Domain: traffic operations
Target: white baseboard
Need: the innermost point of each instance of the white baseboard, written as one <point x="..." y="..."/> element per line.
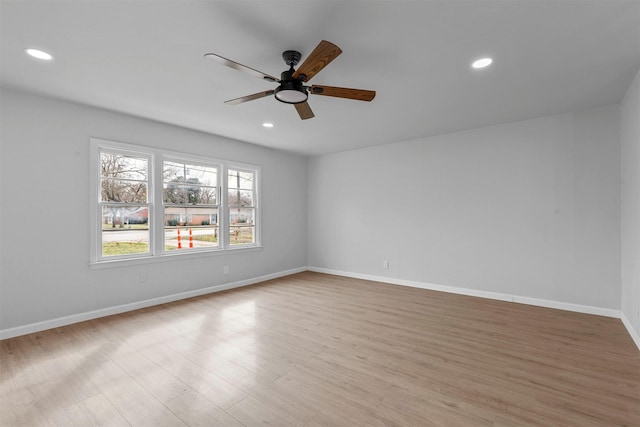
<point x="634" y="334"/>
<point x="476" y="293"/>
<point x="89" y="315"/>
<point x="80" y="317"/>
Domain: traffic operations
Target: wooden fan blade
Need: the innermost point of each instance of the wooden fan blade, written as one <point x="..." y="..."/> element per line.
<point x="343" y="92"/>
<point x="321" y="56"/>
<point x="237" y="66"/>
<point x="304" y="110"/>
<point x="249" y="97"/>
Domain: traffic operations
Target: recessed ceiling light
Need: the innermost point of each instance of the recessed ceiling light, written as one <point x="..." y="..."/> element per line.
<point x="267" y="125"/>
<point x="482" y="63"/>
<point x="40" y="54"/>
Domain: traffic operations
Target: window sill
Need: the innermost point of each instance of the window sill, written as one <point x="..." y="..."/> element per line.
<point x="98" y="265"/>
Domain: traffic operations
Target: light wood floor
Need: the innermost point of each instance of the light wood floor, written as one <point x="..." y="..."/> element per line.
<point x="319" y="350"/>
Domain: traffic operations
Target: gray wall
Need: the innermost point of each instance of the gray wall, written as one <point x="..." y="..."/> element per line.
<point x="44" y="215"/>
<point x="630" y="125"/>
<point x="530" y="209"/>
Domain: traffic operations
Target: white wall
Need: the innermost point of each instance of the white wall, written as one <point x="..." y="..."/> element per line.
<point x="530" y="209"/>
<point x="44" y="193"/>
<point x="630" y="137"/>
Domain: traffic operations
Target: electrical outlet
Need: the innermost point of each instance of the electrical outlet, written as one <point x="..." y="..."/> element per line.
<point x="142" y="278"/>
<point x="385" y="264"/>
<point x="226" y="269"/>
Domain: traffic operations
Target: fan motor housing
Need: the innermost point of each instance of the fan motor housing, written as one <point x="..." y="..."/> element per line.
<point x="291" y="57"/>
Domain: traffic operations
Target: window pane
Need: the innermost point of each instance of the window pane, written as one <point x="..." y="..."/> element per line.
<point x="190" y="227"/>
<point x="202" y="174"/>
<point x="242" y="216"/>
<point x="179" y="193"/>
<point x="174" y="192"/>
<point x="241" y="235"/>
<point x="125" y="230"/>
<point x="208" y="196"/>
<point x="123" y="178"/>
<point x="240" y="198"/>
<point x="172" y="170"/>
<point x="117" y="190"/>
<point x="186" y="184"/>
<point x="239" y="179"/>
<point x="123" y="167"/>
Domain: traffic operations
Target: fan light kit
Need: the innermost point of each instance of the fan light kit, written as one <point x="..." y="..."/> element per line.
<point x="292" y="88"/>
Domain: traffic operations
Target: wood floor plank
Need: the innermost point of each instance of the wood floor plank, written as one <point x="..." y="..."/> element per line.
<point x="138" y="406"/>
<point x="153" y="378"/>
<point x="252" y="412"/>
<point x="312" y="349"/>
<point x="284" y="402"/>
<point x="220" y="392"/>
<point x="93" y="411"/>
<point x="196" y="410"/>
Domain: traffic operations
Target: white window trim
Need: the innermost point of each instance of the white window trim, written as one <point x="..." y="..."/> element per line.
<point x="256" y="191"/>
<point x="159" y="207"/>
<point x="156" y="207"/>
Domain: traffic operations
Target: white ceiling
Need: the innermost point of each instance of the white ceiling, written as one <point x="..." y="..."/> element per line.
<point x="146" y="58"/>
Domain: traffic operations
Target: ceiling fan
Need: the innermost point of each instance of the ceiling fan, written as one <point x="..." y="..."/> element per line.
<point x="291" y="88"/>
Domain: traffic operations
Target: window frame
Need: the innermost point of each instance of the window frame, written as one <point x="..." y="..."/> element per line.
<point x="218" y="165"/>
<point x="256" y="181"/>
<point x="156" y="206"/>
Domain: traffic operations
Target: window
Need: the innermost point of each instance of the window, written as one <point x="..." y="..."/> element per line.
<point x="124" y="203"/>
<point x="190" y="205"/>
<point x="242" y="206"/>
<point x="150" y="203"/>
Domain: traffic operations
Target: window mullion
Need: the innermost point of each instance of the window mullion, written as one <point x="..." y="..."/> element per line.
<point x="157" y="226"/>
<point x="224" y="205"/>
